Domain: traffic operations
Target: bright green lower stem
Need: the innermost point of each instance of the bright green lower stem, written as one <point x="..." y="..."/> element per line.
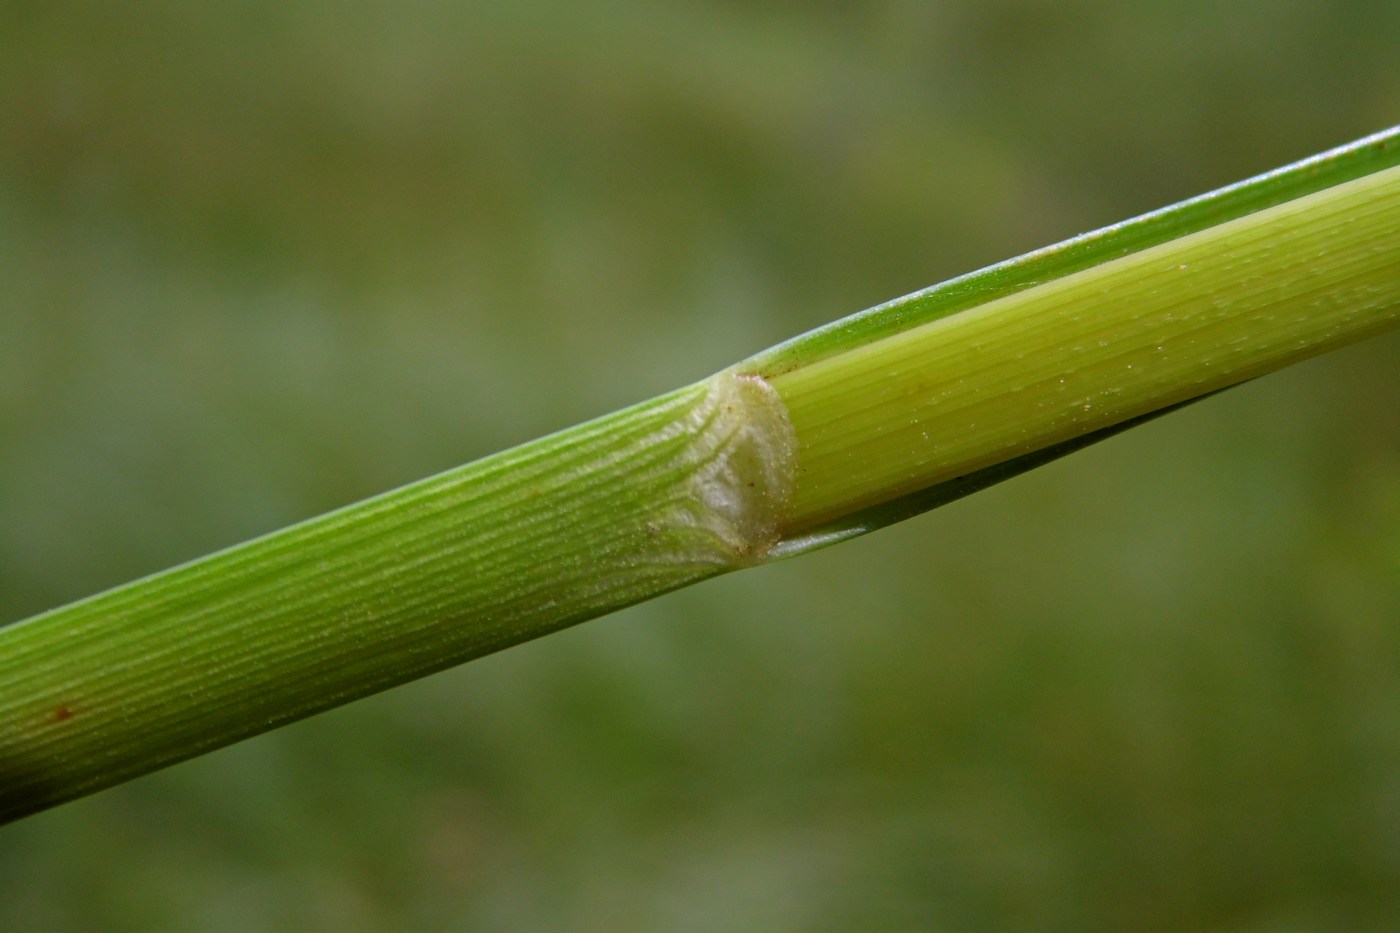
<point x="505" y="549"/>
<point x="1119" y="340"/>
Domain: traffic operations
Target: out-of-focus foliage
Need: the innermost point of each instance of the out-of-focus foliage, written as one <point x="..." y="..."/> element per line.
<point x="260" y="259"/>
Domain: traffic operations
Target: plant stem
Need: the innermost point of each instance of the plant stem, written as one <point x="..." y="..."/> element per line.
<point x="866" y="421"/>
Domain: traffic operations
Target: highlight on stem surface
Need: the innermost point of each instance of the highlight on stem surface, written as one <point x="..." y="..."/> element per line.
<point x="866" y="421"/>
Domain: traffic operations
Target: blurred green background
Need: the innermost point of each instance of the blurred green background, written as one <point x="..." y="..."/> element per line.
<point x="260" y="259"/>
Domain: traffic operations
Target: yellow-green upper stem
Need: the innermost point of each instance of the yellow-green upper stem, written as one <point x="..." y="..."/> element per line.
<point x="1121" y="339"/>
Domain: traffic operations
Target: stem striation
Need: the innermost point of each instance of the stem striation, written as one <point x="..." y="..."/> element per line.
<point x="505" y="549"/>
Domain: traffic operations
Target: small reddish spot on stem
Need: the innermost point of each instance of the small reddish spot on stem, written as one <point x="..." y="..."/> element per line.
<point x="62" y="713"/>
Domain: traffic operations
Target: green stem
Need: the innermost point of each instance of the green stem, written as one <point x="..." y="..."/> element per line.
<point x="866" y="421"/>
<point x="505" y="549"/>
